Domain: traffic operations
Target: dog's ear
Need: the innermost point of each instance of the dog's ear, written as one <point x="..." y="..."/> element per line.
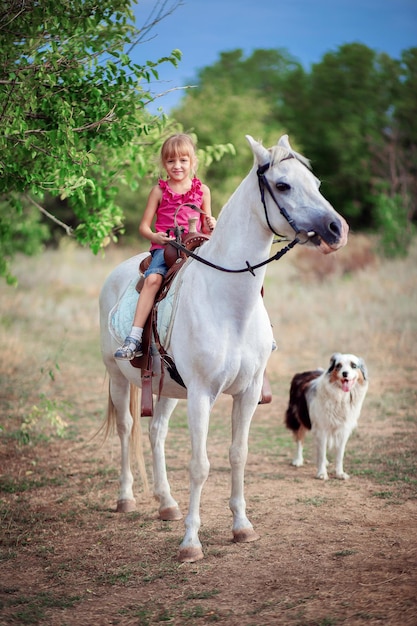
<point x="333" y="360"/>
<point x="363" y="368"/>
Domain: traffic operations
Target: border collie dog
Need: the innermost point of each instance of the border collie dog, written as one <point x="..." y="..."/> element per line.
<point x="329" y="404"/>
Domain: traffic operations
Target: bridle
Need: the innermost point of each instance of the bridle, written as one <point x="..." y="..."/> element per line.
<point x="264" y="184"/>
<point x="301" y="236"/>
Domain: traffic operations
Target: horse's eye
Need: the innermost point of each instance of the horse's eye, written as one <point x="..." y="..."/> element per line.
<point x="282" y="186"/>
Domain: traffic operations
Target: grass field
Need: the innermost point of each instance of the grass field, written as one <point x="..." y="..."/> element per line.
<point x="330" y="553"/>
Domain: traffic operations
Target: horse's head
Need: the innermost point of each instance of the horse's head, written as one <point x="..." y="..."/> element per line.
<point x="292" y="200"/>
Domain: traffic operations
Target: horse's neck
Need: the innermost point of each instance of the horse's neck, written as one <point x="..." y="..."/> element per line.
<point x="240" y="234"/>
<point x="240" y="238"/>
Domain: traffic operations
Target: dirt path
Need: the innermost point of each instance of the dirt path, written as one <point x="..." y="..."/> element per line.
<point x="329" y="553"/>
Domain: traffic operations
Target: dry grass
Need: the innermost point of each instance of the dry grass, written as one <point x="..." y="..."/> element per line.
<point x="334" y="553"/>
<point x="359" y="255"/>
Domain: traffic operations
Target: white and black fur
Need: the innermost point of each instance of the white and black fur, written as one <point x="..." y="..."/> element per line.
<point x="329" y="404"/>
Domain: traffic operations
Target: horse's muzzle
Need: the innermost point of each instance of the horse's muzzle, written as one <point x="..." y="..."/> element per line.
<point x="335" y="237"/>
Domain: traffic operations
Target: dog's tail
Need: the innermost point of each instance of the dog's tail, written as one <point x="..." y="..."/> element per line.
<point x="297" y="413"/>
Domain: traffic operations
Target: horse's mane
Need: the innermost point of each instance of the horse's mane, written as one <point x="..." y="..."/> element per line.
<point x="279" y="153"/>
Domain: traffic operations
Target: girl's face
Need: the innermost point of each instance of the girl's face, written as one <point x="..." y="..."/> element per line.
<point x="178" y="167"/>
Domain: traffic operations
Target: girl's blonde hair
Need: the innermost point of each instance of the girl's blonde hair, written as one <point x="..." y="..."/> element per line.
<point x="179" y="145"/>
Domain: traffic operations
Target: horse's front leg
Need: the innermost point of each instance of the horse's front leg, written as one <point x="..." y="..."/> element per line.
<point x="119" y="401"/>
<point x="158" y="430"/>
<point x="199" y="408"/>
<point x="243" y="409"/>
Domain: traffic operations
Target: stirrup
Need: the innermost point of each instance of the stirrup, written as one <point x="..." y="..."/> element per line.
<point x="129" y="350"/>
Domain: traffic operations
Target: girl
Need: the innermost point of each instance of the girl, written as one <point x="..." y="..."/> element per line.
<point x="178" y="158"/>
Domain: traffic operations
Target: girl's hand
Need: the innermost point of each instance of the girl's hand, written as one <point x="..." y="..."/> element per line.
<point x="162" y="238"/>
<point x="210" y="222"/>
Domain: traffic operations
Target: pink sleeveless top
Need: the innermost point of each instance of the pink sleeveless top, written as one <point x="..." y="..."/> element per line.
<point x="169" y="204"/>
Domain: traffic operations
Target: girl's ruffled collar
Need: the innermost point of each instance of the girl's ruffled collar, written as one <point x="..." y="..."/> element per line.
<point x="195" y="187"/>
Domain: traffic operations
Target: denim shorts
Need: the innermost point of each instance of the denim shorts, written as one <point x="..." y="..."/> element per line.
<point x="158" y="265"/>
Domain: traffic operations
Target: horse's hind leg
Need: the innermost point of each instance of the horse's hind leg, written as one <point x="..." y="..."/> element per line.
<point x="158" y="429"/>
<point x="241" y="419"/>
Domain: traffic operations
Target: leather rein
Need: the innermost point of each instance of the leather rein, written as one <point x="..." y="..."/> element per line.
<point x="301" y="235"/>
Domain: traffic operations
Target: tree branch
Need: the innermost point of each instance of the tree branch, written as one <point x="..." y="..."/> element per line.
<point x="107" y="119"/>
<point x="67" y="228"/>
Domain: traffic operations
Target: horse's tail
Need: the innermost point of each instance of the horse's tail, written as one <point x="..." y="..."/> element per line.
<point x="136" y="436"/>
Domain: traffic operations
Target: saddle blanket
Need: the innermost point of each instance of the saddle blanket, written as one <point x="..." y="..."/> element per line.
<point x="122" y="314"/>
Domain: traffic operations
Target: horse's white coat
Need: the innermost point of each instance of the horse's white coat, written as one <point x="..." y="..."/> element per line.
<point x="221" y="337"/>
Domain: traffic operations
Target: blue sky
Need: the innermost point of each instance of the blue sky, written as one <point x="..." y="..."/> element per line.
<point x="307" y="29"/>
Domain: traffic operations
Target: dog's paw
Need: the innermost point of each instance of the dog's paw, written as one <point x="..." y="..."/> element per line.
<point x="297" y="462"/>
<point x="322" y="476"/>
<point x="342" y="476"/>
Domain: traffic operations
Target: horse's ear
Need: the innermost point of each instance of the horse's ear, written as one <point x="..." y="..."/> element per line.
<point x="262" y="155"/>
<point x="284" y="142"/>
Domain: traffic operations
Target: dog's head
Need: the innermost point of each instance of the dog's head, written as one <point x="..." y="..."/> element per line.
<point x="346" y="370"/>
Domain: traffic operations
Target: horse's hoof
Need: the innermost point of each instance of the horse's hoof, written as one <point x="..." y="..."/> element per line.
<point x="170" y="514"/>
<point x="126" y="506"/>
<point x="190" y="555"/>
<point x="245" y="535"/>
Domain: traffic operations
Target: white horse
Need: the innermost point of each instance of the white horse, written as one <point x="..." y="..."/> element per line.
<point x="221" y="334"/>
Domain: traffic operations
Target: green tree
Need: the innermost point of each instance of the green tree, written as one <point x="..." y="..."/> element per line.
<point x="228" y="118"/>
<point x="406" y="102"/>
<point x="234" y="97"/>
<point x="350" y="97"/>
<point x="265" y="71"/>
<point x="395" y="163"/>
<point x="73" y="117"/>
<point x="404" y="179"/>
<point x="354" y="115"/>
